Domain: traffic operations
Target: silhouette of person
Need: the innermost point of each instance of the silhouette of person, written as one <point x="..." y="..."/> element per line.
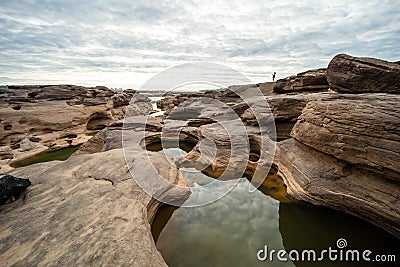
<point x="273" y="76"/>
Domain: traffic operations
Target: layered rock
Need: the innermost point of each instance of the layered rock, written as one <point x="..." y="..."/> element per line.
<point x="345" y="150"/>
<point x="312" y="80"/>
<point x="36" y="118"/>
<point x="229" y="96"/>
<point x="360" y="129"/>
<point x="349" y="74"/>
<point x="111" y="137"/>
<point x="323" y="180"/>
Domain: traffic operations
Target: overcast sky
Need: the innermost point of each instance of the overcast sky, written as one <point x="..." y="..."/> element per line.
<point x="123" y="43"/>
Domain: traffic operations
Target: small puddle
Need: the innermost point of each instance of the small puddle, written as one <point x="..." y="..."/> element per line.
<point x="49" y="155"/>
<point x="231" y="230"/>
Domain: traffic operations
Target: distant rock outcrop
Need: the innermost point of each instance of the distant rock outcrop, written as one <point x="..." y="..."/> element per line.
<point x="312" y="80"/>
<point x="349" y="74"/>
<point x="37" y="118"/>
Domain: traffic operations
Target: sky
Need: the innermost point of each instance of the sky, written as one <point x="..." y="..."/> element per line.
<point x="125" y="43"/>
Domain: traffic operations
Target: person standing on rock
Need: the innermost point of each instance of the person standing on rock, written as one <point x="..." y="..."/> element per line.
<point x="273" y="76"/>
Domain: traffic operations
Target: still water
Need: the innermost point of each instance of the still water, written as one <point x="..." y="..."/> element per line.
<point x="231" y="230"/>
<point x="59" y="154"/>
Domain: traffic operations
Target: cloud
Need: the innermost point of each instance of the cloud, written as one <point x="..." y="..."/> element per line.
<point x="82" y="42"/>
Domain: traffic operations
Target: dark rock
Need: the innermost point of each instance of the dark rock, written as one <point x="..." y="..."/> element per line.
<point x="312" y="80"/>
<point x="349" y="74"/>
<point x="11" y="187"/>
<point x="266" y="88"/>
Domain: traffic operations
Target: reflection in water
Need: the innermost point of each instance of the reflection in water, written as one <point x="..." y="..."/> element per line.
<point x="305" y="226"/>
<point x="230" y="231"/>
<point x="59" y="154"/>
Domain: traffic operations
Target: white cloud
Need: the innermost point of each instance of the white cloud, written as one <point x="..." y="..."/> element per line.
<point x="46" y="41"/>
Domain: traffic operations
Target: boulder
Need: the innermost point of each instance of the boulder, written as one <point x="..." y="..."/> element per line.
<point x="349" y="74"/>
<point x="312" y="80"/>
<point x="11" y="187"/>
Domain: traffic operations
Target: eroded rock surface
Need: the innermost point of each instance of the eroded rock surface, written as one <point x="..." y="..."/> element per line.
<point x="349" y="74"/>
<point x="86" y="210"/>
<point x="360" y="129"/>
<point x="312" y="80"/>
<point x="36" y="118"/>
<point x="320" y="179"/>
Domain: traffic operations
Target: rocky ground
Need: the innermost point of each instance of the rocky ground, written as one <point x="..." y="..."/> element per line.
<point x="38" y="118"/>
<point x="336" y="145"/>
<point x="86" y="210"/>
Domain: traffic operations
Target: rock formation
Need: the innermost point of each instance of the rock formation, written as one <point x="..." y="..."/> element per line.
<point x="360" y="129"/>
<point x="312" y="80"/>
<point x="345" y="150"/>
<point x="349" y="74"/>
<point x="38" y="118"/>
<point x="333" y="149"/>
<point x="340" y="150"/>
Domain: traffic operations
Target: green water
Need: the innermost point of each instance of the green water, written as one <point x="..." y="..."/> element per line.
<point x="59" y="154"/>
<point x="231" y="230"/>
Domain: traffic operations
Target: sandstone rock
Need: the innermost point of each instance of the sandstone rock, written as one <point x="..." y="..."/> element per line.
<point x="266" y="88"/>
<point x="320" y="179"/>
<point x="349" y="74"/>
<point x="359" y="129"/>
<point x="111" y="137"/>
<point x="36" y="118"/>
<point x="285" y="109"/>
<point x="11" y="187"/>
<point x="312" y="80"/>
<point x="86" y="210"/>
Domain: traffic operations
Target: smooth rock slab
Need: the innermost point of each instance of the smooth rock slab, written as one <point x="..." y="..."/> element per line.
<point x="84" y="211"/>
